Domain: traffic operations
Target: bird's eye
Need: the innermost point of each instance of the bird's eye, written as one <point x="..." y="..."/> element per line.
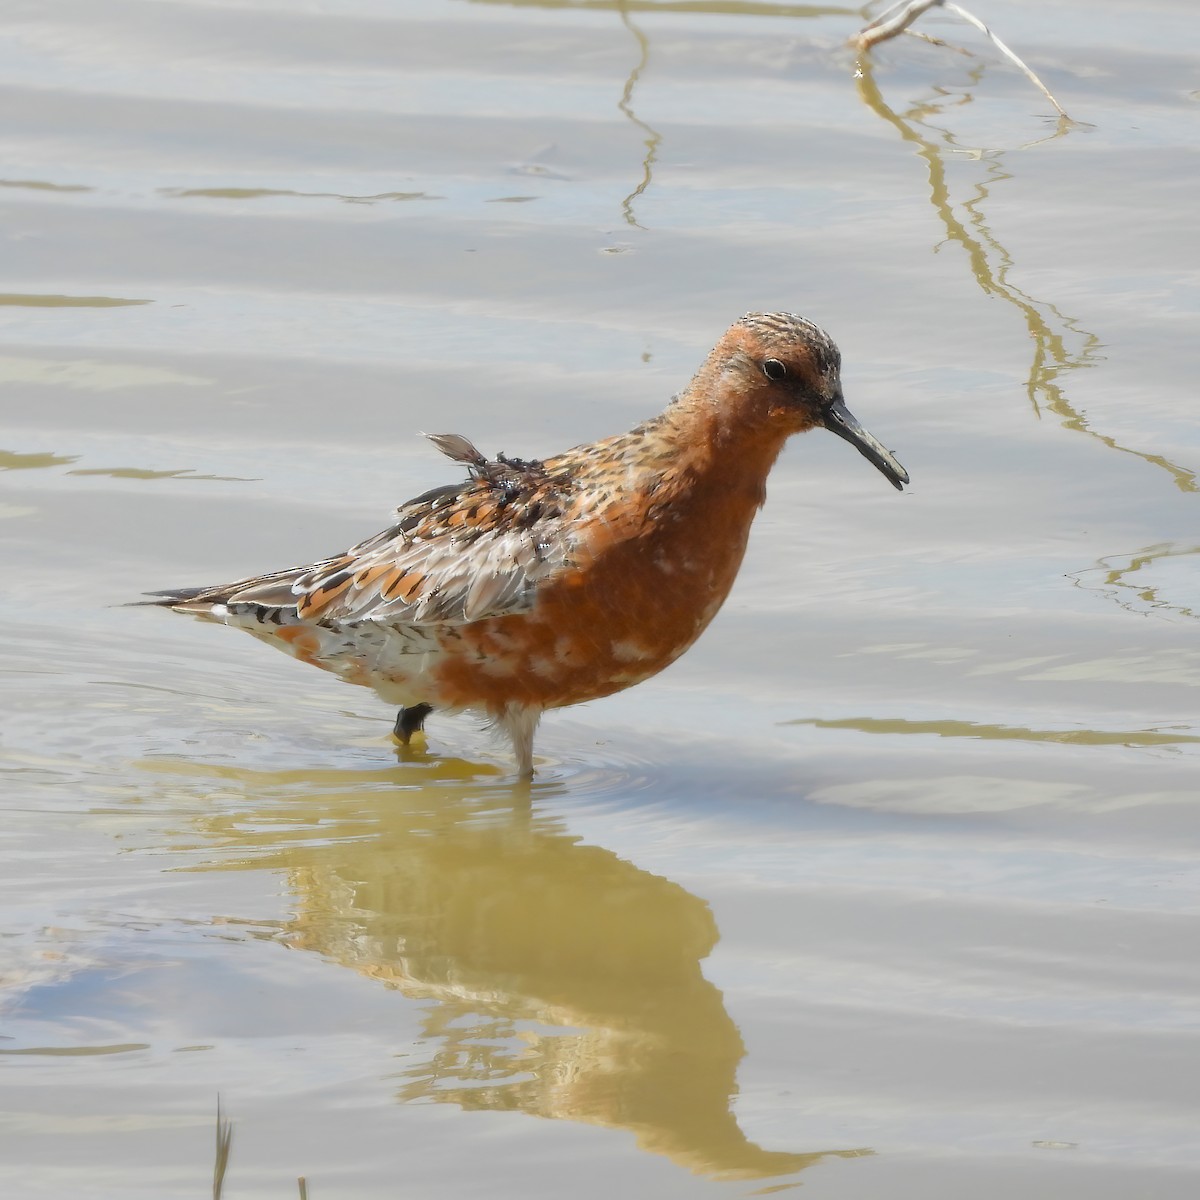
<point x="774" y="370"/>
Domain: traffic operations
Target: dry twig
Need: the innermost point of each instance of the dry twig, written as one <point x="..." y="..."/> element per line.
<point x="901" y="15"/>
<point x="224" y="1145"/>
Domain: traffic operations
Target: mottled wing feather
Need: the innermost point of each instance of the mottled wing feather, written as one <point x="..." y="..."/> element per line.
<point x="438" y="582"/>
<point x="456" y="447"/>
<point x="454" y="555"/>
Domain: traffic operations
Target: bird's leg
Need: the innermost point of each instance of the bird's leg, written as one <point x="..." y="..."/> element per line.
<point x="410" y="721"/>
<point x="520" y="722"/>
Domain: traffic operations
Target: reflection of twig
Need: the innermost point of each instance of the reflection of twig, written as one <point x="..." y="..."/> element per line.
<point x="1131" y="595"/>
<point x="625" y="104"/>
<point x="1002" y="733"/>
<point x="902" y="14"/>
<point x="1050" y="329"/>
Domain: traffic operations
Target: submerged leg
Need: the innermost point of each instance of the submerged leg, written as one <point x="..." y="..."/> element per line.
<point x="519" y="722"/>
<point x="410" y="720"/>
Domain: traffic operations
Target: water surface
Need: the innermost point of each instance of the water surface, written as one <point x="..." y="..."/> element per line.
<point x="888" y="887"/>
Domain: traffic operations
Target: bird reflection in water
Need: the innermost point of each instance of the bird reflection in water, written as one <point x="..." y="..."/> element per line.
<point x="561" y="981"/>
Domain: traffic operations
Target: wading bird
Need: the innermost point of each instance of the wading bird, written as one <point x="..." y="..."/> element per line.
<point x="532" y="585"/>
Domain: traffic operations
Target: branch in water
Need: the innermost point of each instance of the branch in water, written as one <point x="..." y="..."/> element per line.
<point x="900" y="16"/>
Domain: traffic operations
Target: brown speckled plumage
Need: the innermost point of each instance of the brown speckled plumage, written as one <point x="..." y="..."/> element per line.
<point x="535" y="584"/>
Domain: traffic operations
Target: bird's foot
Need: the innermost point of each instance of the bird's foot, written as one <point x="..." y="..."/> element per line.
<point x="410" y="721"/>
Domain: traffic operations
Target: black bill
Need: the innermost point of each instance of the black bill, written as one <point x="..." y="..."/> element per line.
<point x="838" y="419"/>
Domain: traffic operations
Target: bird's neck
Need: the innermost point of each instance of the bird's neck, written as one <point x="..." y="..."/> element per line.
<point x="718" y="445"/>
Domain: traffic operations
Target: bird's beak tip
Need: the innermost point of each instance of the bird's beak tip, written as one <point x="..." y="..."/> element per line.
<point x="838" y="419"/>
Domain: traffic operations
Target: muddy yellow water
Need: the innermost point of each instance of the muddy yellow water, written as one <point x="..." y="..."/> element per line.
<point x="888" y="888"/>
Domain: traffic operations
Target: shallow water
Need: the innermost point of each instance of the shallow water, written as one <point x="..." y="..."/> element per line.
<point x="889" y="887"/>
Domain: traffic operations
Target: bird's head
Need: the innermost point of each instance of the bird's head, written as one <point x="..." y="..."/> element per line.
<point x="787" y="371"/>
